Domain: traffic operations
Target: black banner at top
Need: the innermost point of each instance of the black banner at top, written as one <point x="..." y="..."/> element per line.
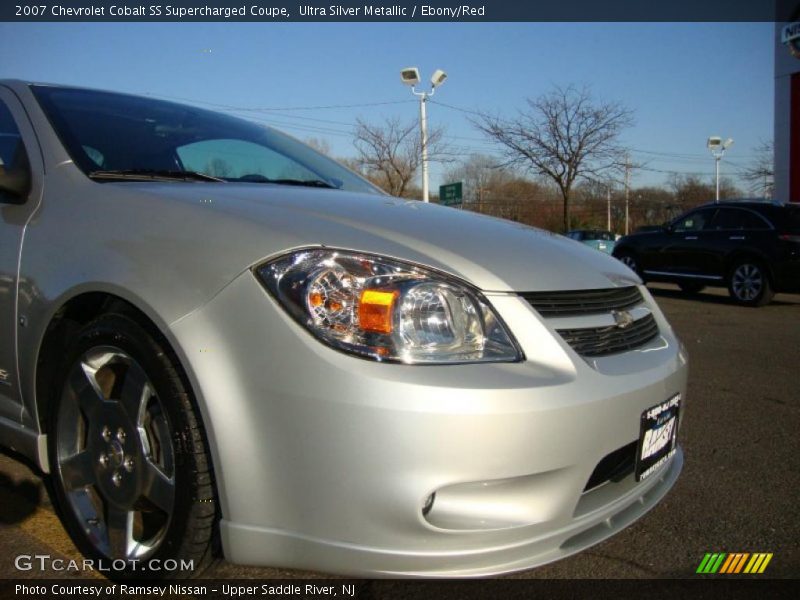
<point x="398" y="10"/>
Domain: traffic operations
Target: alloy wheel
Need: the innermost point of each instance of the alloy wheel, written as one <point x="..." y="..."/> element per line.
<point x="114" y="454"/>
<point x="747" y="282"/>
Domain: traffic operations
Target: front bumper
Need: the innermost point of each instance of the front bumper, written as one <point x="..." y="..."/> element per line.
<point x="325" y="461"/>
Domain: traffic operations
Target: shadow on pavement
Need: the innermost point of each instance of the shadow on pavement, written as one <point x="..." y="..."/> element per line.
<point x="18" y="499"/>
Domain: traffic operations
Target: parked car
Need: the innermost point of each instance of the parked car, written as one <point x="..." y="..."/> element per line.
<point x="752" y="248"/>
<point x="224" y="339"/>
<point x="598" y="239"/>
<point x="647" y="228"/>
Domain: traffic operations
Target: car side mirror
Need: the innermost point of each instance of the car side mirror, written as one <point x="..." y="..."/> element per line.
<point x="14" y="185"/>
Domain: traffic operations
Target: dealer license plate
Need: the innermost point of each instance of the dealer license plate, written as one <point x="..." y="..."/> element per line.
<point x="658" y="437"/>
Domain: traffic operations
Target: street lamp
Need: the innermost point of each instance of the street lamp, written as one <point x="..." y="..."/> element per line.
<point x="717" y="148"/>
<point x="410" y="76"/>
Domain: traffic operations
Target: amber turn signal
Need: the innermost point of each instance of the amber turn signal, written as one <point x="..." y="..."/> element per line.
<point x="375" y="310"/>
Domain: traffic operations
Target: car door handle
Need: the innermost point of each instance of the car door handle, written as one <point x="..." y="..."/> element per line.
<point x="737" y="237"/>
<point x="690" y="237"/>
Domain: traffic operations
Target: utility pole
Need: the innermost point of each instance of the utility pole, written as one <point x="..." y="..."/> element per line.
<point x="410" y="77"/>
<point x="627" y="191"/>
<point x="423" y="126"/>
<point x="717" y="148"/>
<point x="608" y="200"/>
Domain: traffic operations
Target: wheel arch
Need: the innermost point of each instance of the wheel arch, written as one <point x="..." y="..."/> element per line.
<point x="77" y="310"/>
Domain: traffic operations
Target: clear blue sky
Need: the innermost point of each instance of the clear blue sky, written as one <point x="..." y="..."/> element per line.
<point x="683" y="81"/>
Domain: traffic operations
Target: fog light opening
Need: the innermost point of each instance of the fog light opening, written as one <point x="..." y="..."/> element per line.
<point x="428" y="504"/>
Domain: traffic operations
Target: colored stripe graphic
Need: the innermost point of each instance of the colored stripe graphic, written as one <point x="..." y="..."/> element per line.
<point x="703" y="563"/>
<point x="711" y="562"/>
<point x="727" y="564"/>
<point x="734" y="560"/>
<point x="734" y="563"/>
<point x="765" y="563"/>
<point x="740" y="566"/>
<point x="755" y="562"/>
<point x="716" y="565"/>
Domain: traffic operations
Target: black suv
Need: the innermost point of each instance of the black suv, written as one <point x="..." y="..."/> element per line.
<point x="753" y="248"/>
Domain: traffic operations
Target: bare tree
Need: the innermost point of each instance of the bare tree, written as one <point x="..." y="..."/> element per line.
<point x="760" y="174"/>
<point x="691" y="190"/>
<point x="483" y="178"/>
<point x="390" y="154"/>
<point x="564" y="135"/>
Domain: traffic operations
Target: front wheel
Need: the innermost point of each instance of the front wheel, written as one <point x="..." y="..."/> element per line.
<point x="629" y="260"/>
<point x="130" y="467"/>
<point x="749" y="284"/>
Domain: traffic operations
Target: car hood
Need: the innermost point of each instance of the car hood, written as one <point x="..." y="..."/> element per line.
<point x="251" y="222"/>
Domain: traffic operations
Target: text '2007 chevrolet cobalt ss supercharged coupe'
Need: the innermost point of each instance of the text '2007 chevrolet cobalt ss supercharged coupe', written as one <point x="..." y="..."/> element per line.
<point x="212" y="333"/>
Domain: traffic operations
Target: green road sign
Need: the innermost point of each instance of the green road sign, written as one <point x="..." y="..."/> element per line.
<point x="451" y="194"/>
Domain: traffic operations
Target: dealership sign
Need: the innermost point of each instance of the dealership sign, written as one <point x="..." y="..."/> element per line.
<point x="790" y="35"/>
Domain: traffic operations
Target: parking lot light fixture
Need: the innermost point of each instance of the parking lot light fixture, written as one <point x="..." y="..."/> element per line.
<point x="717" y="148"/>
<point x="410" y="76"/>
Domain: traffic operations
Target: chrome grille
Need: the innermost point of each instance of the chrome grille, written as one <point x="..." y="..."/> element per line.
<point x="602" y="341"/>
<point x="583" y="302"/>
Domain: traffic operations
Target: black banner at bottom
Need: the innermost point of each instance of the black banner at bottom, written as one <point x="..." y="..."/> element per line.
<point x="345" y="589"/>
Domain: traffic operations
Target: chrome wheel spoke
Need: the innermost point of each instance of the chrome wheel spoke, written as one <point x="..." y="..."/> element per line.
<point x="119" y="531"/>
<point x="158" y="488"/>
<point x="83" y="386"/>
<point x="135" y="392"/>
<point x="77" y="471"/>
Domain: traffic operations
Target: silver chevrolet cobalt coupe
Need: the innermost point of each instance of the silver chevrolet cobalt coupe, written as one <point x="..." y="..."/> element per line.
<point x="218" y="342"/>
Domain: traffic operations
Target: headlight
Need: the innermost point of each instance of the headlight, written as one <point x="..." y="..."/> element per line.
<point x="385" y="309"/>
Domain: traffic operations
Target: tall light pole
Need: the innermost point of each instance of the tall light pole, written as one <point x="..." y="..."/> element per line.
<point x="410" y="76"/>
<point x="717" y="148"/>
<point x="627" y="192"/>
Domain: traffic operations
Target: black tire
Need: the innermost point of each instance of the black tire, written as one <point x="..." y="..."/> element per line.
<point x="629" y="259"/>
<point x="148" y="478"/>
<point x="749" y="283"/>
<point x="690" y="287"/>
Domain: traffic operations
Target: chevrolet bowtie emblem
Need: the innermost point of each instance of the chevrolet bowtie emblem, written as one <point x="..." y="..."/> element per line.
<point x="622" y="318"/>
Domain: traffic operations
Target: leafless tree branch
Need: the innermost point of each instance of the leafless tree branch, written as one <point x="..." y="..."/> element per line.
<point x="565" y="136"/>
<point x="391" y="153"/>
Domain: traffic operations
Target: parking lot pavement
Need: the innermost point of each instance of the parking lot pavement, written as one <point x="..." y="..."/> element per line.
<point x="738" y="491"/>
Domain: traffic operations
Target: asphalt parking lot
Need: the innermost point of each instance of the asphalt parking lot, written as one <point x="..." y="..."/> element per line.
<point x="738" y="491"/>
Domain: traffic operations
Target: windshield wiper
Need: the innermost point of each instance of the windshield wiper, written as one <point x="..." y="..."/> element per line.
<point x="257" y="178"/>
<point x="153" y="175"/>
<point x="304" y="182"/>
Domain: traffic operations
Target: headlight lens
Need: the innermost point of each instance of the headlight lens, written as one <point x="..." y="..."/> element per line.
<point x="386" y="309"/>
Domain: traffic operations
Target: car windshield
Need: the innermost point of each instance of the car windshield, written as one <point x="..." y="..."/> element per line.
<point x="113" y="137"/>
